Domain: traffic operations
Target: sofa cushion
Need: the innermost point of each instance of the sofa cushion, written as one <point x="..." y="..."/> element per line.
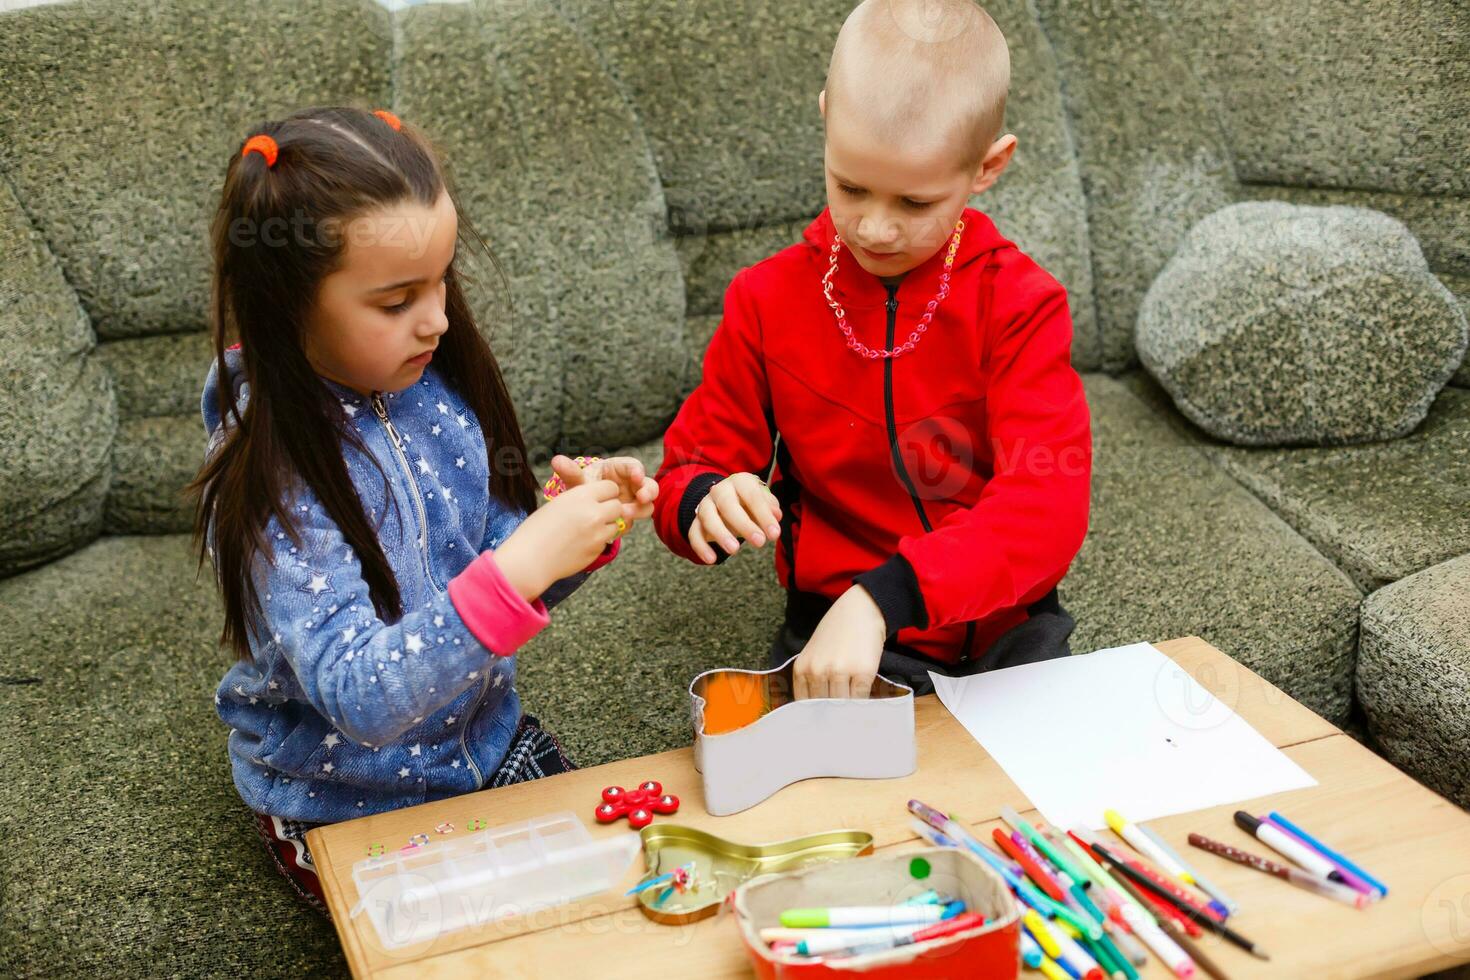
<point x="727" y="92"/>
<point x="1381" y="512"/>
<point x="160" y="439"/>
<point x="1152" y="158"/>
<point x="1175" y="547"/>
<point x="149" y="102"/>
<point x="156" y="376"/>
<point x="1281" y="324"/>
<point x="1460" y="286"/>
<point x="1414" y="675"/>
<point x="57" y="411"/>
<point x="124" y="848"/>
<point x="551" y="167"/>
<point x="153" y="460"/>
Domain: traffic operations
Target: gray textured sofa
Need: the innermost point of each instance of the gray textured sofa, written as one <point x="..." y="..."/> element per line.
<point x="624" y="160"/>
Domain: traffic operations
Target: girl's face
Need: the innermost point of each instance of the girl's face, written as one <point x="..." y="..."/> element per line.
<point x="379" y="316"/>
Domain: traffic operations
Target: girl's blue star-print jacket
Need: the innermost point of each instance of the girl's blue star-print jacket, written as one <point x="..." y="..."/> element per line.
<point x="338" y="713"/>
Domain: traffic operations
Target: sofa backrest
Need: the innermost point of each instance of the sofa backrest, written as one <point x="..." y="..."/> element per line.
<point x="1179" y="108"/>
<point x="120" y="116"/>
<point x="551" y="165"/>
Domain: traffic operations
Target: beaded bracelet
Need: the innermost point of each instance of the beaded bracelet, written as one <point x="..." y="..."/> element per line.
<point x="556" y="485"/>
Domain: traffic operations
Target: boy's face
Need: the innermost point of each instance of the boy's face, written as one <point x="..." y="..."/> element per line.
<point x="895" y="206"/>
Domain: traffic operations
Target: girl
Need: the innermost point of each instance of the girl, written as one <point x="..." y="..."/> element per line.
<point x="365" y="494"/>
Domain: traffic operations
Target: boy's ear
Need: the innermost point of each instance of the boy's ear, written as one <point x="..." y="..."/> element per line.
<point x="822" y="103"/>
<point x="996" y="159"/>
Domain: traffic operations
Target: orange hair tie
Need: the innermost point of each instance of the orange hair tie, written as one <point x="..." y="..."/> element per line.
<point x="388" y="118"/>
<point x="264" y="145"/>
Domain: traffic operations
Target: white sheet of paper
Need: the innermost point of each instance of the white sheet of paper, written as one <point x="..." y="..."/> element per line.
<point x="1124" y="728"/>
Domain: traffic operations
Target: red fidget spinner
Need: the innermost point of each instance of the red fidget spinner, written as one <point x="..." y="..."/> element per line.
<point x="638" y="805"/>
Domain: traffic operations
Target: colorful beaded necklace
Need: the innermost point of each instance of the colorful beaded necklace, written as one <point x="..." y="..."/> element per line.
<point x="852" y="342"/>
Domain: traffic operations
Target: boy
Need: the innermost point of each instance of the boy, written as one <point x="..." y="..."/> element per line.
<point x="931" y="476"/>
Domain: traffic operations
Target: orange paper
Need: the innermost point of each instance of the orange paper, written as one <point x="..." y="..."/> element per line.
<point x="733" y="700"/>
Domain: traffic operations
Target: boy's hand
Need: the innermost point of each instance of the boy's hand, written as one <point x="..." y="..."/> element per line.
<point x="561" y="538"/>
<point x="841" y="659"/>
<point x="636" y="489"/>
<point x="737" y="505"/>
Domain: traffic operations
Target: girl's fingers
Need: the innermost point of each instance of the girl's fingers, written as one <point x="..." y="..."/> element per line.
<point x="862" y="687"/>
<point x="714" y="526"/>
<point x="648" y="492"/>
<point x="565" y="467"/>
<point x="732" y="512"/>
<point x="800" y="688"/>
<point x="605" y="491"/>
<point x="626" y="471"/>
<point x="759" y="505"/>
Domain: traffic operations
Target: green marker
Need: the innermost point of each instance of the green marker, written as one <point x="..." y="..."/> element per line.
<point x="862" y="915"/>
<point x="1111" y="957"/>
<point x="1045" y="846"/>
<point x="1083" y="923"/>
<point x="1080" y="897"/>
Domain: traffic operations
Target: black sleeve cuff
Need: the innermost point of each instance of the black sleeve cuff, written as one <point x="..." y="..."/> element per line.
<point x="895" y="588"/>
<point x="694" y="494"/>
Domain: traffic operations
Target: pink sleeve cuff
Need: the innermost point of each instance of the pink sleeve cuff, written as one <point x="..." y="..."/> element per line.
<point x="493" y="611"/>
<point x="608" y="554"/>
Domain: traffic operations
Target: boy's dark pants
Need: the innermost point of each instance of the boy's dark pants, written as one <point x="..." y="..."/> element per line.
<point x="1041" y="637"/>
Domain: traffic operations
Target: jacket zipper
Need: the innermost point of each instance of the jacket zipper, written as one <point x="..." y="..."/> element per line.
<point x="381" y="411"/>
<point x="903" y="473"/>
<point x="468" y="718"/>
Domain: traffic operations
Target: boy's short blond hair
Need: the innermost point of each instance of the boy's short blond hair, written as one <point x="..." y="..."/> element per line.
<point x="923" y="72"/>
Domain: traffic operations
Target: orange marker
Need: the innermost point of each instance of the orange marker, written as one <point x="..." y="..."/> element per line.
<point x="1032" y="869"/>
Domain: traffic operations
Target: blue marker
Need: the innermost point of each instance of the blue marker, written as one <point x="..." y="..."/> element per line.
<point x="1030" y="952"/>
<point x="1329" y="852"/>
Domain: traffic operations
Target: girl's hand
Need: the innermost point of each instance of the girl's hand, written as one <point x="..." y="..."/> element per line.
<point x="841" y="659"/>
<point x="636" y="489"/>
<point x="737" y="505"/>
<point x="561" y="538"/>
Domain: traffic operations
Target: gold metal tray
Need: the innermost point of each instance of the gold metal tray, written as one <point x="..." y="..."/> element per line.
<point x="720" y="866"/>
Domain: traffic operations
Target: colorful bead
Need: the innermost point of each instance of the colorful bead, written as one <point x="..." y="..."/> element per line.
<point x="557" y="485"/>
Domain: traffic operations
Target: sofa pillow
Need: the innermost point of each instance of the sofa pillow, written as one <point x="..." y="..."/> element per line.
<point x="1281" y="324"/>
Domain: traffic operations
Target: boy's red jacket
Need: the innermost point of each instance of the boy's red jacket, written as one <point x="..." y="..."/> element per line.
<point x="951" y="482"/>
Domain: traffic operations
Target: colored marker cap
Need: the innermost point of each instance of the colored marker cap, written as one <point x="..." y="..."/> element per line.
<point x="804" y="918"/>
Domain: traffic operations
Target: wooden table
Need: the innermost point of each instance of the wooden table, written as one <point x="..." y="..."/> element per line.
<point x="1417" y="842"/>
